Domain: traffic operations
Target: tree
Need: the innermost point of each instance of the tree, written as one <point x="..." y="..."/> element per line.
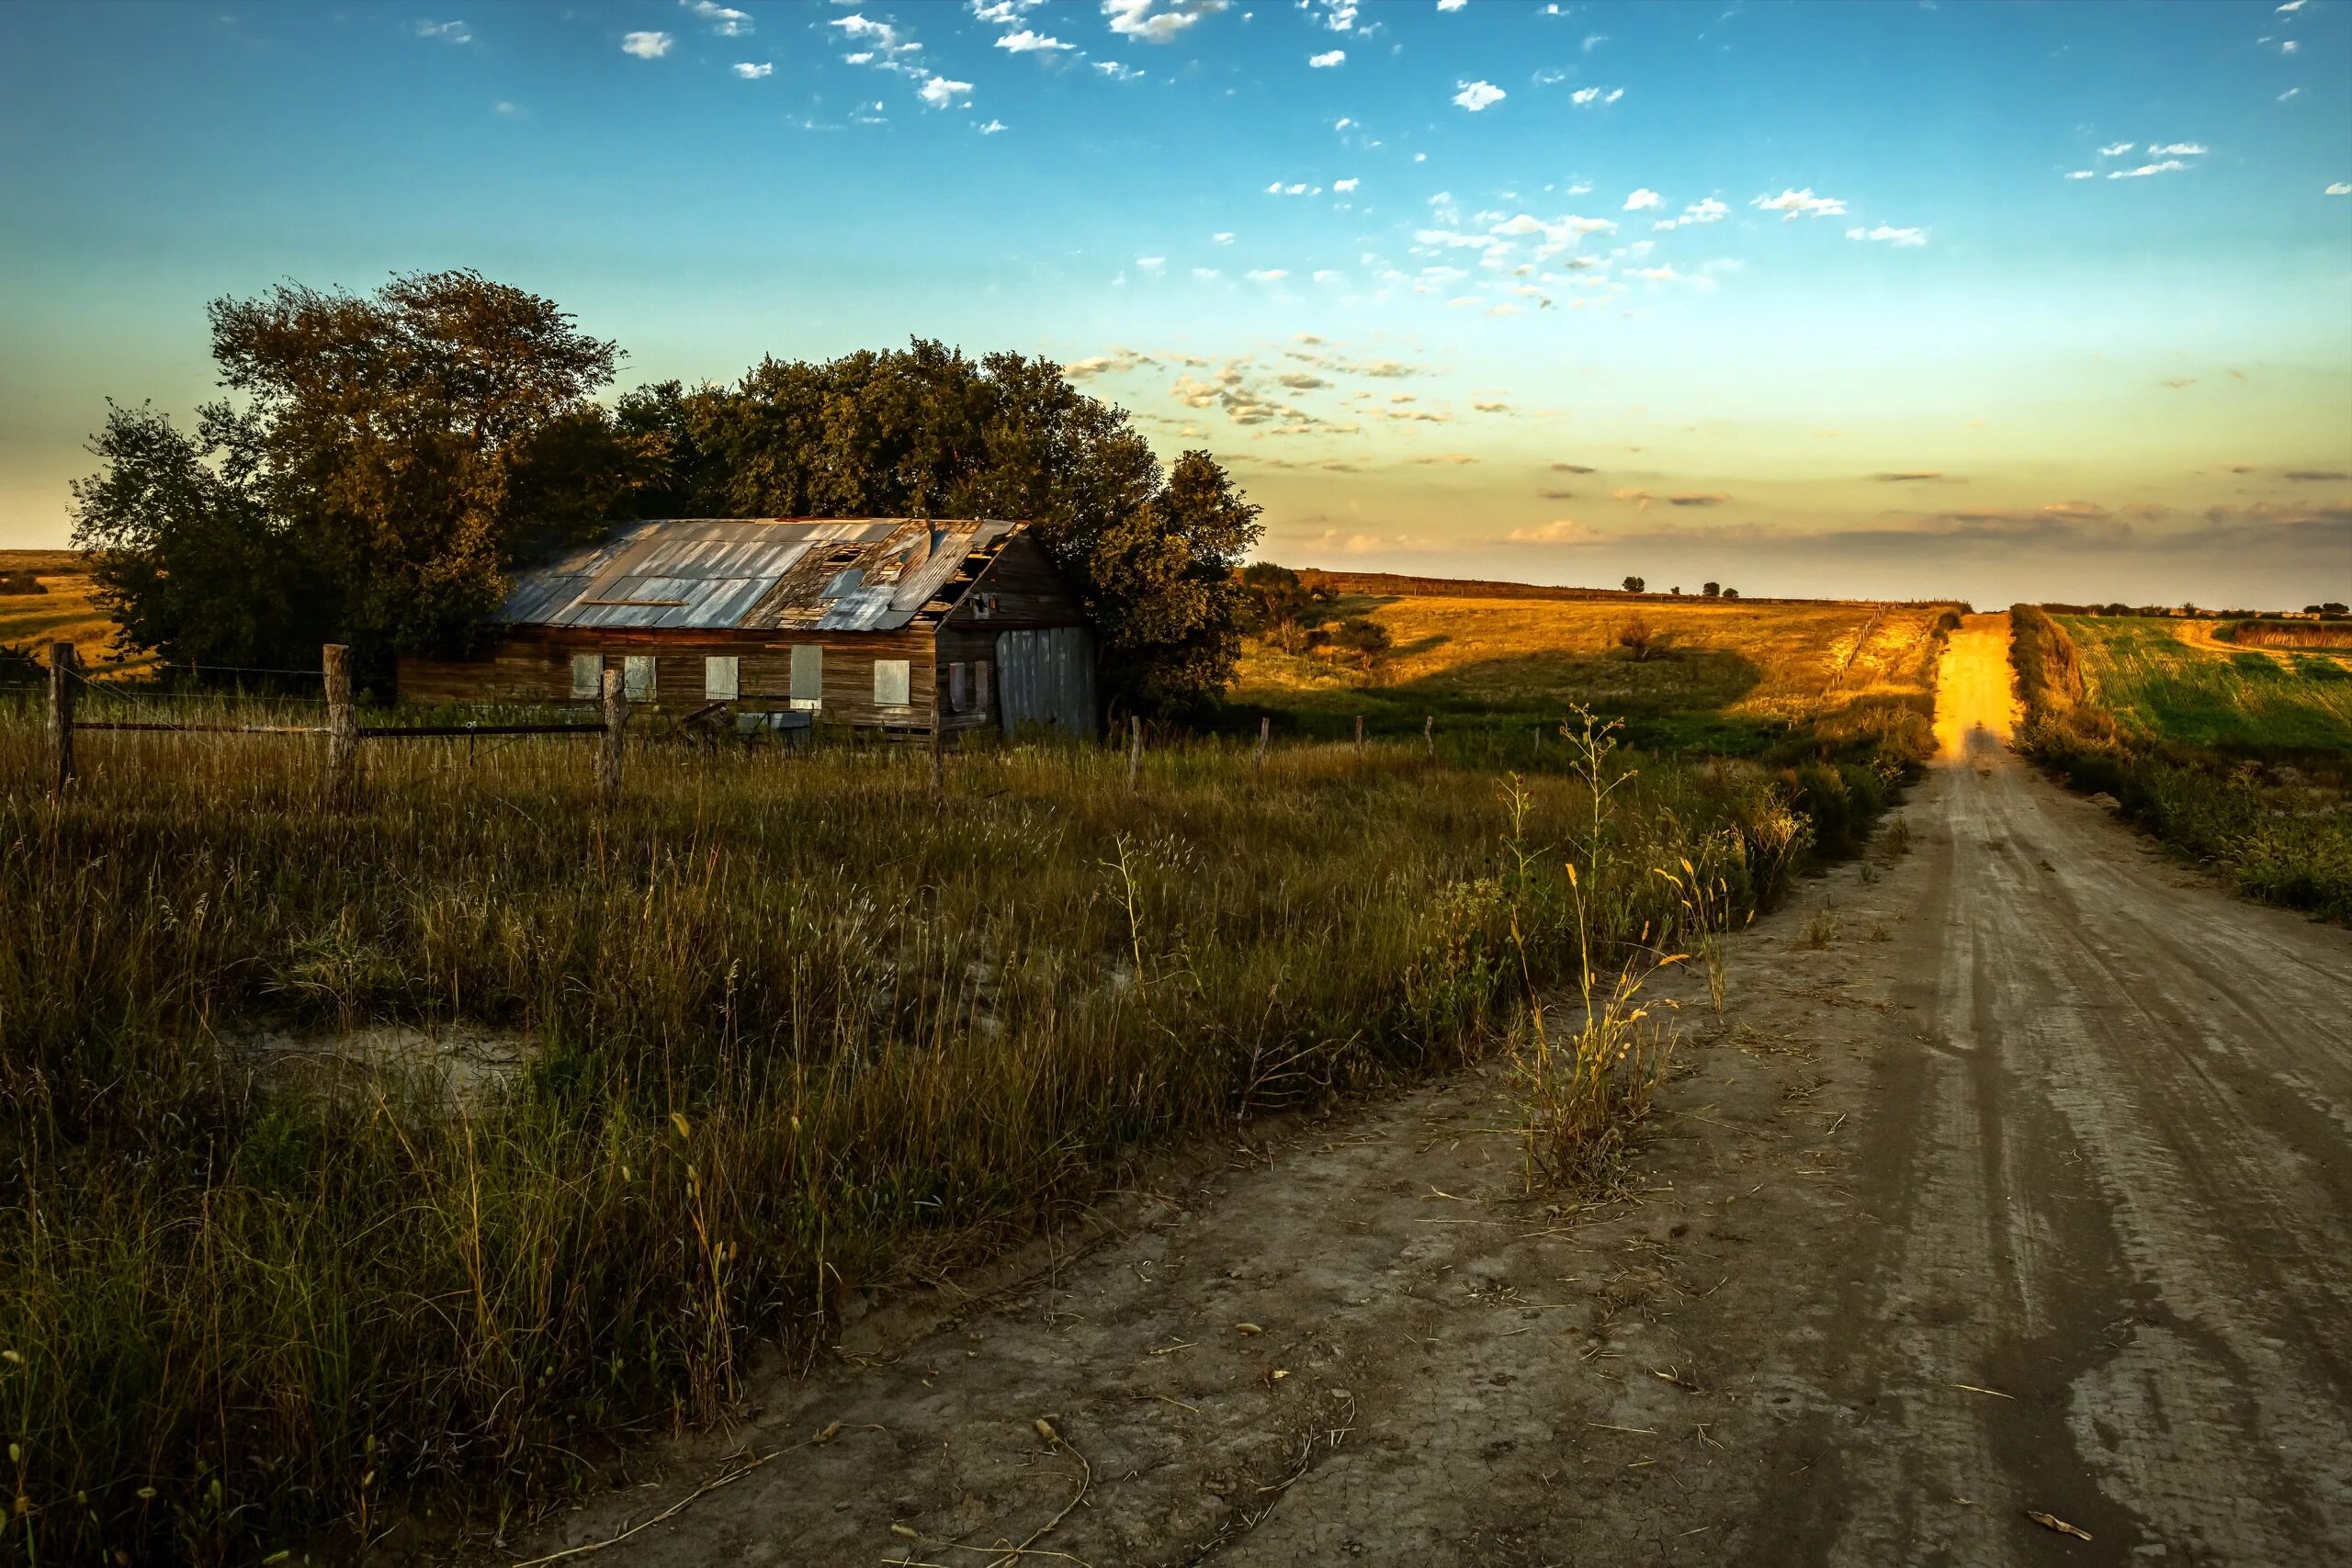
<point x="1713" y="590"/>
<point x="1632" y="585"/>
<point x="1675" y="591"/>
<point x="1271" y="596"/>
<point x="1731" y="592"/>
<point x="926" y="432"/>
<point x="393" y="456"/>
<point x="1367" y="640"/>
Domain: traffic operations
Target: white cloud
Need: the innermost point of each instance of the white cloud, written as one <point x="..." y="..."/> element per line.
<point x="2083" y="174"/>
<point x="1203" y="275"/>
<point x="1705" y="210"/>
<point x="2340" y="188"/>
<point x="2169" y="166"/>
<point x="1477" y="96"/>
<point x="1452" y="5"/>
<point x="939" y="92"/>
<point x="724" y="20"/>
<point x="2290" y="46"/>
<point x="1795" y="204"/>
<point x="511" y="111"/>
<point x="1898" y="238"/>
<point x="1157" y="21"/>
<point x="1587" y="96"/>
<point x="2115" y="150"/>
<point x="2177" y="150"/>
<point x="647" y="46"/>
<point x="2290" y="7"/>
<point x="1222" y="237"/>
<point x="1267" y="275"/>
<point x="1154" y="264"/>
<point x="1324" y="276"/>
<point x="992" y="127"/>
<point x="752" y="73"/>
<point x="1117" y="72"/>
<point x="1027" y="42"/>
<point x="1594" y="40"/>
<point x="2290" y="93"/>
<point x="446" y="32"/>
<point x="1301" y="188"/>
<point x="1643" y="200"/>
<point x="1328" y="59"/>
<point x="1344" y="185"/>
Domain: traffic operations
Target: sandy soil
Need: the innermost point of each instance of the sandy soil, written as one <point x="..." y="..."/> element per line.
<point x="2026" y="1192"/>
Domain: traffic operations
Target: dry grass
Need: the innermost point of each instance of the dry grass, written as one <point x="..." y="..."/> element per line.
<point x="792" y="1028"/>
<point x="1718" y="675"/>
<point x="67" y="611"/>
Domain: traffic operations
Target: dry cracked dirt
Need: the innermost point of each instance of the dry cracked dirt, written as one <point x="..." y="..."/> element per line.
<point x="2013" y="1182"/>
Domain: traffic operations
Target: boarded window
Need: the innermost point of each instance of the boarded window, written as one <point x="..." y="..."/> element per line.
<point x="983" y="678"/>
<point x="808" y="676"/>
<point x="893" y="683"/>
<point x="637" y="677"/>
<point x="719" y="677"/>
<point x="959" y="688"/>
<point x="587" y="674"/>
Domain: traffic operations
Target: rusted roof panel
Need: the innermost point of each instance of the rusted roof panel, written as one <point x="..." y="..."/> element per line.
<point x="847" y="575"/>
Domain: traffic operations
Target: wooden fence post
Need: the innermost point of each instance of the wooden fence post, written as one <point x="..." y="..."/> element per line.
<point x="1265" y="727"/>
<point x="342" y="726"/>
<point x="608" y="753"/>
<point x="1429" y="734"/>
<point x="938" y="755"/>
<point x="60" y="714"/>
<point x="1135" y="749"/>
<point x="1359" y="735"/>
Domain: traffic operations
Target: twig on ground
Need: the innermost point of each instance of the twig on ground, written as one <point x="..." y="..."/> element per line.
<point x="671" y="1512"/>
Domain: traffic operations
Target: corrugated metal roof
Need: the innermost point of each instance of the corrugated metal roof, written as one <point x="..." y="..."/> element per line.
<point x="714" y="573"/>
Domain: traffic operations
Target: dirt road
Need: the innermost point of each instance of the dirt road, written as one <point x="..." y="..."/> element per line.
<point x="2016" y="1181"/>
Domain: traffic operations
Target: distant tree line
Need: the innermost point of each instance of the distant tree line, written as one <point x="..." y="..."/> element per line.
<point x="384" y="463"/>
<point x="2329" y="611"/>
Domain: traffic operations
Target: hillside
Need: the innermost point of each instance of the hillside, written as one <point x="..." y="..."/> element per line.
<point x="67" y="610"/>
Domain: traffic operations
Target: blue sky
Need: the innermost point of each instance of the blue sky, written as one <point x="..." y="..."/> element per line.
<point x="1999" y="300"/>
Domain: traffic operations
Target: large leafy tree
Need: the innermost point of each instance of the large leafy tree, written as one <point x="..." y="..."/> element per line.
<point x="927" y="432"/>
<point x="385" y="460"/>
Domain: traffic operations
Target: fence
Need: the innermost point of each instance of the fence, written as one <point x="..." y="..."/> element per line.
<point x="343" y="732"/>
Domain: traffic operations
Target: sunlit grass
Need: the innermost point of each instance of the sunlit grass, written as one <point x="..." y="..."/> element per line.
<point x="2172" y="679"/>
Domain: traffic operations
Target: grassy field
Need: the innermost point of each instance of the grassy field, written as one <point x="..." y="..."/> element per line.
<point x="779" y="1028"/>
<point x="36" y="620"/>
<point x="1726" y="678"/>
<point x="2239" y="758"/>
<point x="2175" y="679"/>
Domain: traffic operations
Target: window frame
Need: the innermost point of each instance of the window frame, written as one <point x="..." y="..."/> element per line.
<point x="815" y="699"/>
<point x="650" y="666"/>
<point x="900" y="675"/>
<point x="591" y="665"/>
<point x="711" y="665"/>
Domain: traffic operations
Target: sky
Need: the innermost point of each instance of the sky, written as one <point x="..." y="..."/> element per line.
<point x="1913" y="299"/>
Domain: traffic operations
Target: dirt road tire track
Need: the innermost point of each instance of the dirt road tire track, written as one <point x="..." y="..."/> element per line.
<point x="2045" y="1117"/>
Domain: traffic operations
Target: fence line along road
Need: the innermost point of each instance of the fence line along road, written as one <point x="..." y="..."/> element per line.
<point x="343" y="730"/>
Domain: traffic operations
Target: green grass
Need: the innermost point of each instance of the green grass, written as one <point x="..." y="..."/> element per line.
<point x="2174" y="680"/>
<point x="793" y="1028"/>
<point x="2241" y="767"/>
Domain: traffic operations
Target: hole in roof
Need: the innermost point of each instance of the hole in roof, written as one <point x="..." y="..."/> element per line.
<point x="844" y="582"/>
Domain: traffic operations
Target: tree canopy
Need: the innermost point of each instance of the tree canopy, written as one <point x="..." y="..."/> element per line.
<point x="929" y="432"/>
<point x="387" y="460"/>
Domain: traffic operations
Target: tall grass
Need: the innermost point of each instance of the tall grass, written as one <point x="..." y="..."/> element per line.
<point x="793" y="1027"/>
<point x="2280" y="824"/>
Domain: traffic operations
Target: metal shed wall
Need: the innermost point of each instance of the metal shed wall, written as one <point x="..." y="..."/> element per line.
<point x="1046" y="677"/>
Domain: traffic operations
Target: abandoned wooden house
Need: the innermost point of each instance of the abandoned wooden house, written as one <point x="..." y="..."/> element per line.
<point x="878" y="622"/>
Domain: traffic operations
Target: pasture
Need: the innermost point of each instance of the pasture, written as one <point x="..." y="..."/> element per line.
<point x="1722" y="677"/>
<point x="2175" y="679"/>
<point x="686" y="1075"/>
<point x="66" y="609"/>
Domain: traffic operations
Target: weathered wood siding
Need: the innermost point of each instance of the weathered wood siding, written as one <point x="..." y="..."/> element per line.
<point x="1022" y="587"/>
<point x="534" y="665"/>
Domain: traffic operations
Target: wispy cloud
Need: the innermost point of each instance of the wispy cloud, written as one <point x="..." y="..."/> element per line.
<point x="1478" y="96"/>
<point x="2116" y="149"/>
<point x="1346" y="185"/>
<point x="1795" y="204"/>
<point x="2169" y="166"/>
<point x="2177" y="150"/>
<point x="724" y="20"/>
<point x="1707" y="210"/>
<point x="1910" y="477"/>
<point x="751" y="72"/>
<point x="1588" y="96"/>
<point x="1153" y="265"/>
<point x="1885" y="235"/>
<point x="446" y="32"/>
<point x="993" y="127"/>
<point x="1328" y="59"/>
<point x="939" y="92"/>
<point x="2340" y="188"/>
<point x="647" y="46"/>
<point x="1028" y="42"/>
<point x="1267" y="275"/>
